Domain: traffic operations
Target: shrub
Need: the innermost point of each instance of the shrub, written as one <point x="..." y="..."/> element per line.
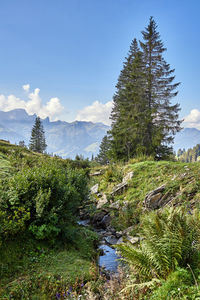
<point x="49" y="193"/>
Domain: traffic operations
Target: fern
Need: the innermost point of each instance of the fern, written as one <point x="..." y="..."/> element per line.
<point x="171" y="238"/>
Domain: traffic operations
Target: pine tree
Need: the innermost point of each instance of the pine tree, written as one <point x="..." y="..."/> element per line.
<point x="163" y="122"/>
<point x="37" y="140"/>
<point x="103" y="156"/>
<point x="143" y="119"/>
<point x="128" y="114"/>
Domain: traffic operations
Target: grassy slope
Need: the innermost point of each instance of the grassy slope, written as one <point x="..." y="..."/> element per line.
<point x="28" y="266"/>
<point x="182" y="184"/>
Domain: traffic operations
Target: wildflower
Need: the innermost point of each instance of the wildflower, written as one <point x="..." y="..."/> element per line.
<point x="58" y="295"/>
<point x="82" y="284"/>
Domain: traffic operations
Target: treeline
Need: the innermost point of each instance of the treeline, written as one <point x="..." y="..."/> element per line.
<point x="191" y="155"/>
<point x="144" y="121"/>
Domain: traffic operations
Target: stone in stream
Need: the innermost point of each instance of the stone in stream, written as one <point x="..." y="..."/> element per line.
<point x="111" y="240"/>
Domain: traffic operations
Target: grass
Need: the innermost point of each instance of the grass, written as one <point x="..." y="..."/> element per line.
<point x="181" y="179"/>
<point x="29" y="267"/>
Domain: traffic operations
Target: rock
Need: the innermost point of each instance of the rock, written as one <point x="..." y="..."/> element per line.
<point x="94" y="189"/>
<point x="103" y="200"/>
<point x="128" y="230"/>
<point x="153" y="199"/>
<point x="105" y="222"/>
<point x="97" y="173"/>
<point x="120" y="241"/>
<point x="133" y="240"/>
<point x="127" y="177"/>
<point x="98" y="217"/>
<point x="111" y="240"/>
<point x="115" y="205"/>
<point x="119" y="188"/>
<point x="118" y="234"/>
<point x="101" y="220"/>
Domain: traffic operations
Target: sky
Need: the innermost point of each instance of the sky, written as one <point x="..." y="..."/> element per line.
<point x="62" y="58"/>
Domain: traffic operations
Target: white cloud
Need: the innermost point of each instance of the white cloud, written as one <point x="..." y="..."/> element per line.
<point x="97" y="112"/>
<point x="26" y="87"/>
<point x="34" y="105"/>
<point x="193" y="119"/>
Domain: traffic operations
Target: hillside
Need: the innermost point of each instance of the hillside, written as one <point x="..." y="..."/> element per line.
<point x="41" y="199"/>
<point x="43" y="252"/>
<point x="64" y="139"/>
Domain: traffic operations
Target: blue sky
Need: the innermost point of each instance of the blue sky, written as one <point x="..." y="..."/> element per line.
<point x="73" y="52"/>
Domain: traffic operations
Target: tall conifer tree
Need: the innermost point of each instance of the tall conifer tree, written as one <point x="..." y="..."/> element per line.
<point x="37" y="140"/>
<point x="129" y="106"/>
<point x="143" y="119"/>
<point x="163" y="122"/>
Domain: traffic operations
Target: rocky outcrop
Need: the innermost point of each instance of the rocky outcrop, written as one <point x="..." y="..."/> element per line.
<point x="119" y="188"/>
<point x="94" y="189"/>
<point x="98" y="173"/>
<point x="102" y="200"/>
<point x="155" y="199"/>
<point x="101" y="219"/>
<point x="127" y="177"/>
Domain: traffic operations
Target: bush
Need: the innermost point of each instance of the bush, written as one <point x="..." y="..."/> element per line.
<point x="49" y="194"/>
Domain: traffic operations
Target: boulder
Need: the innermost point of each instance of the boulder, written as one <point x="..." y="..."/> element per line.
<point x="105" y="222"/>
<point x="127" y="177"/>
<point x="153" y="200"/>
<point x="103" y="200"/>
<point x="101" y="220"/>
<point x="133" y="240"/>
<point x="119" y="188"/>
<point x="111" y="240"/>
<point x="94" y="189"/>
<point x="97" y="173"/>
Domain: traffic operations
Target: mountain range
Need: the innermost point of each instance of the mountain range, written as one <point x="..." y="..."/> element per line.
<point x="68" y="139"/>
<point x="62" y="138"/>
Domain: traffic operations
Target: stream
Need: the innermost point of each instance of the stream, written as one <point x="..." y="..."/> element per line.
<point x="108" y="258"/>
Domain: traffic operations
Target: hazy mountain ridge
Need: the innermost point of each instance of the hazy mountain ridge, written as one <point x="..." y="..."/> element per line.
<point x="68" y="139"/>
<point x="63" y="138"/>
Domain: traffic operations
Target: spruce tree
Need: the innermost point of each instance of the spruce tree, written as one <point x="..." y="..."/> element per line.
<point x="37" y="141"/>
<point x="103" y="156"/>
<point x="163" y="122"/>
<point x="128" y="114"/>
<point x="143" y="118"/>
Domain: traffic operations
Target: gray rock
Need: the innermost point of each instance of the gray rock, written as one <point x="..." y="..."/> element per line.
<point x="133" y="240"/>
<point x="96" y="173"/>
<point x="94" y="189"/>
<point x="119" y="188"/>
<point x="120" y="241"/>
<point x="153" y="199"/>
<point x="103" y="200"/>
<point x="128" y="230"/>
<point x="127" y="177"/>
<point x="112" y="240"/>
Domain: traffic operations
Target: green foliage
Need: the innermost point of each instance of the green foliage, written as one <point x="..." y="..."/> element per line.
<point x="175" y="287"/>
<point x="37" y="139"/>
<point x="143" y="119"/>
<point x="31" y="268"/>
<point x="191" y="155"/>
<point x="50" y="194"/>
<point x="170" y="239"/>
<point x="104" y="151"/>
